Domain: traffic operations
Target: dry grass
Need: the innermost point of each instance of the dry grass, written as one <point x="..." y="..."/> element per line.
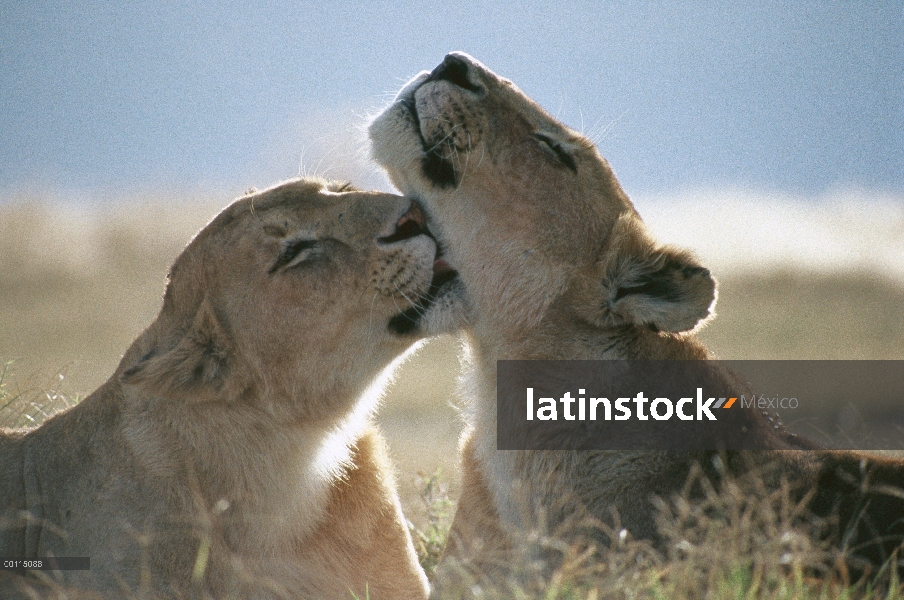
<point x="744" y="542"/>
<point x="77" y="286"/>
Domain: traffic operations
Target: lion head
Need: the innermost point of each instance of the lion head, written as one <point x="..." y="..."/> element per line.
<point x="482" y="156"/>
<point x="308" y="285"/>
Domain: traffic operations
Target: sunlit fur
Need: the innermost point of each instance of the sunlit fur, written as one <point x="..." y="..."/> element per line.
<point x="230" y="453"/>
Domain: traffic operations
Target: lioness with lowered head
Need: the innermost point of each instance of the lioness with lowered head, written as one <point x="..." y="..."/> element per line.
<point x="555" y="263"/>
<point x="230" y="454"/>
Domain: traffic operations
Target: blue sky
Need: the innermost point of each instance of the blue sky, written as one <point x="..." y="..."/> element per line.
<point x="799" y="98"/>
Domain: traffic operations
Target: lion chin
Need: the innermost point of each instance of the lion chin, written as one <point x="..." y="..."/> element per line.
<point x="231" y="454"/>
<point x="555" y="263"/>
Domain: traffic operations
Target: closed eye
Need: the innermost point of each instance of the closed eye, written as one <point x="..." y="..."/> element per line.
<point x="295" y="252"/>
<point x="559" y="152"/>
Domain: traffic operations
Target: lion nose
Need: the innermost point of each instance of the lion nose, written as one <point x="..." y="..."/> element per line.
<point x="413" y="223"/>
<point x="455" y="70"/>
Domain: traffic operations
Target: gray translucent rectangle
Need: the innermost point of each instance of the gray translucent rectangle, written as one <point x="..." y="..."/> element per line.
<point x="853" y="405"/>
<point x="46" y="563"/>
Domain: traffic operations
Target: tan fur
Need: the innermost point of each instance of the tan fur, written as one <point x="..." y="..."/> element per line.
<point x="230" y="454"/>
<point x="555" y="263"/>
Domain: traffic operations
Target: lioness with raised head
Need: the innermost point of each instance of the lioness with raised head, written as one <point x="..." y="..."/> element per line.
<point x="555" y="263"/>
<point x="230" y="454"/>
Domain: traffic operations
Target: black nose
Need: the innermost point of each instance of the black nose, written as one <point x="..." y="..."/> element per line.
<point x="454" y="69"/>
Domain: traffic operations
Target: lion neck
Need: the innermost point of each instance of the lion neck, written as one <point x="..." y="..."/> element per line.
<point x="561" y="334"/>
<point x="287" y="469"/>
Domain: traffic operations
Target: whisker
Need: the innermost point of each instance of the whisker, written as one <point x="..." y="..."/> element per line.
<point x="370" y="319"/>
<point x="301" y="167"/>
<point x="444" y="139"/>
<point x="418" y="309"/>
<point x="483" y="148"/>
<point x="464" y="170"/>
<point x="597" y="138"/>
<point x="402" y="294"/>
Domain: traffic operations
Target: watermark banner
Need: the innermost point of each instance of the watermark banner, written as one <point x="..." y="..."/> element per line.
<point x="700" y="405"/>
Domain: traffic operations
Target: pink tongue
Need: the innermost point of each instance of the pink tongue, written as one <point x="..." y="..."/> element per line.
<point x="441" y="266"/>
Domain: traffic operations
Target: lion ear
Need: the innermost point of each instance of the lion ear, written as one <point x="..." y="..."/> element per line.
<point x="196" y="367"/>
<point x="662" y="288"/>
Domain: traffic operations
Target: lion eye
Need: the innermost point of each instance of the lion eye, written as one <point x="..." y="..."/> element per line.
<point x="557" y="149"/>
<point x="295" y="252"/>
